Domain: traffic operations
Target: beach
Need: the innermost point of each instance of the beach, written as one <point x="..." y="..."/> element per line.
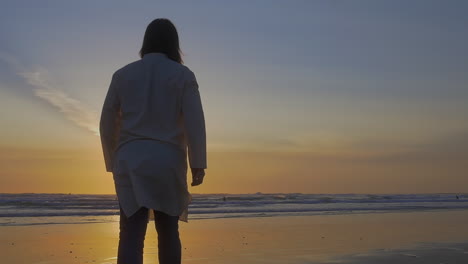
<point x="276" y="132"/>
<point x="403" y="237"/>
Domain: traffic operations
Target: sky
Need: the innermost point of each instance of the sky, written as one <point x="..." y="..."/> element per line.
<point x="299" y="96"/>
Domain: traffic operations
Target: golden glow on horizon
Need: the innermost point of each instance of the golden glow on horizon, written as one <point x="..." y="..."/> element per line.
<point x="82" y="171"/>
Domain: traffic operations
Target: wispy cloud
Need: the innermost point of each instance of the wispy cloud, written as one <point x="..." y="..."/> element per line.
<point x="73" y="109"/>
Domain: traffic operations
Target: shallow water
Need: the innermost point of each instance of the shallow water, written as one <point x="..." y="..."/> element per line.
<point x="32" y="208"/>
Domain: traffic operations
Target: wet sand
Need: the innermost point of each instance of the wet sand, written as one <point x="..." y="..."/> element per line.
<point x="423" y="237"/>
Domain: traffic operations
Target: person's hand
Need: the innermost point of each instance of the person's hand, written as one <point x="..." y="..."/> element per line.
<point x="197" y="176"/>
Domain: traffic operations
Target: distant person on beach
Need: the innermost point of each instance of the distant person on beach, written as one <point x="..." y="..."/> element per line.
<point x="152" y="118"/>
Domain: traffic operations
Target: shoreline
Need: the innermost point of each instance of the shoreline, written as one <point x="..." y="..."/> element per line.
<point x="280" y="239"/>
<point x="112" y="218"/>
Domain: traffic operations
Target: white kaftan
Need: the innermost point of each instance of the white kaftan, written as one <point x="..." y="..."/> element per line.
<point x="151" y="119"/>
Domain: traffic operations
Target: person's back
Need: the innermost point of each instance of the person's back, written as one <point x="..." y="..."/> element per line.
<point x="157" y="99"/>
<point x="151" y="92"/>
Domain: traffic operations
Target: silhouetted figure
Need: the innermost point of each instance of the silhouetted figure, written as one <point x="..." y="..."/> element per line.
<point x="152" y="118"/>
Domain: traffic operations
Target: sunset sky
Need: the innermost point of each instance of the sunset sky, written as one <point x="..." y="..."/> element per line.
<point x="299" y="96"/>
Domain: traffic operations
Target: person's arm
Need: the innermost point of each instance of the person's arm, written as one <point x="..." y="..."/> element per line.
<point x="109" y="125"/>
<point x="194" y="122"/>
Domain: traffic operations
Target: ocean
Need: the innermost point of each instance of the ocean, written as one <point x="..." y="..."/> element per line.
<point x="42" y="208"/>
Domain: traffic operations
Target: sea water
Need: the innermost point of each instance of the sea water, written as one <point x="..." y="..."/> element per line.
<point x="42" y="208"/>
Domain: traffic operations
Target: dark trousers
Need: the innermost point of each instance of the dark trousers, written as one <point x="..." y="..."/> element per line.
<point x="132" y="237"/>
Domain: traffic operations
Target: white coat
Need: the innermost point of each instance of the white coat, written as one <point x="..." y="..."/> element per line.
<point x="151" y="119"/>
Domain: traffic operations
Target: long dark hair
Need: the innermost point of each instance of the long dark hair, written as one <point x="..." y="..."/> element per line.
<point x="161" y="36"/>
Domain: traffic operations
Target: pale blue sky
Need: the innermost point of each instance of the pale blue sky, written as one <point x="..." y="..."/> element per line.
<point x="273" y="74"/>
